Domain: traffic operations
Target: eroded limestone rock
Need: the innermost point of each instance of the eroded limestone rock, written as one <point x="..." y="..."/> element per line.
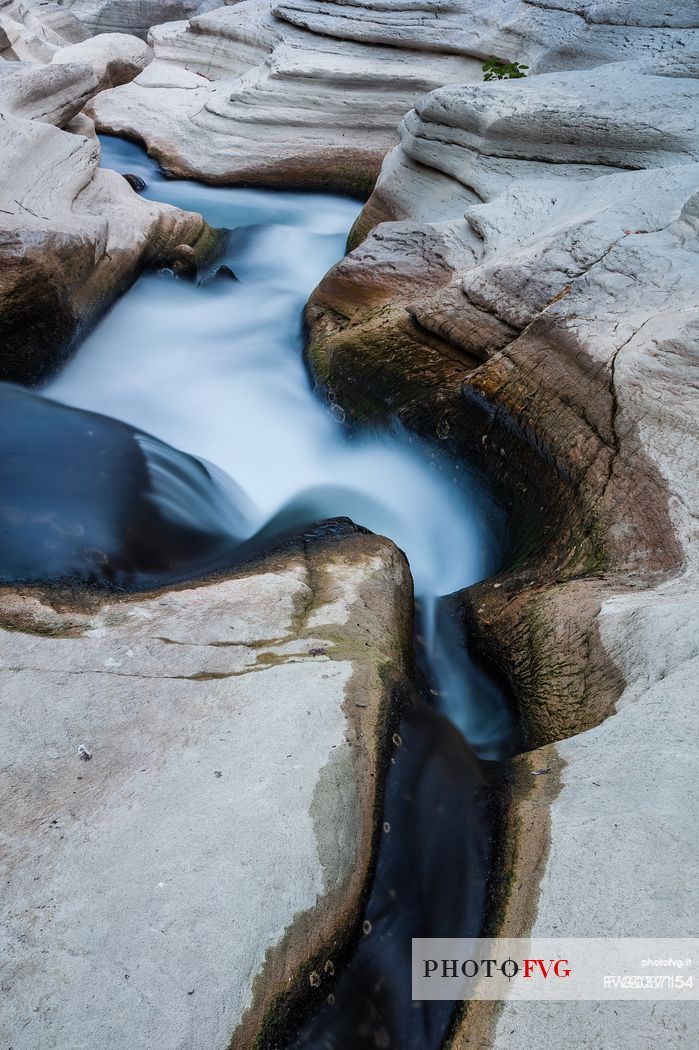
<point x="242" y="94"/>
<point x="116" y="58"/>
<point x="219" y="837"/>
<point x="563" y="300"/>
<point x="32" y="31"/>
<point x="525" y="287"/>
<point x="309" y="93"/>
<point x="72" y="235"/>
<point x="125" y="16"/>
<point x="530" y="297"/>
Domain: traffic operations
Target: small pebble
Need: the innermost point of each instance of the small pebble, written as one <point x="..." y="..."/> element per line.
<point x="84" y="753"/>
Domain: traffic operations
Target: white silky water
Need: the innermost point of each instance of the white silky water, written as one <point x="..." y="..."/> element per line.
<point x="217" y="371"/>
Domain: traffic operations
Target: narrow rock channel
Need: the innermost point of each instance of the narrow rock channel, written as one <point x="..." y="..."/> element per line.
<point x="247" y="747"/>
<point x="214" y="368"/>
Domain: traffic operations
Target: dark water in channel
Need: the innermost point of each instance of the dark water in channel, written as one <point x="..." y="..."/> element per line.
<point x="198" y="434"/>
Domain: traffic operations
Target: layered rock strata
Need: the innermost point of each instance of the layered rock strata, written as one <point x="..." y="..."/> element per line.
<point x="541" y="330"/>
<point x="241" y="94"/>
<point x="33" y="31"/>
<point x="34" y="28"/>
<point x="524" y="289"/>
<point x="309" y="93"/>
<point x="125" y="16"/>
<point x="189" y="797"/>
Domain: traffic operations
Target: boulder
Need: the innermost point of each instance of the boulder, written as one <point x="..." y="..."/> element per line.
<point x="188" y="801"/>
<point x="135" y="181"/>
<point x="44" y="93"/>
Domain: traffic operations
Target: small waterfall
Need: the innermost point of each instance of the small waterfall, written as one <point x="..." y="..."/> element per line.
<point x="215" y="371"/>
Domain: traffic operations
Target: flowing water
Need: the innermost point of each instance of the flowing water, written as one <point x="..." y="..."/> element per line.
<point x="215" y="371"/>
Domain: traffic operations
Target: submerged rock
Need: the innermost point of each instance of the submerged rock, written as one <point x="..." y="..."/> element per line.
<point x="219" y="840"/>
<point x="184" y="261"/>
<point x="220" y="274"/>
<point x="135" y="181"/>
<point x="89" y="500"/>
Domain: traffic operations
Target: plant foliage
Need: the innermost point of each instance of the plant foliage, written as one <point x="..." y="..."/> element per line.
<point x="498" y="69"/>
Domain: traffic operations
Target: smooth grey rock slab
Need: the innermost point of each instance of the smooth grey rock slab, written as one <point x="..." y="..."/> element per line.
<point x="222" y="827"/>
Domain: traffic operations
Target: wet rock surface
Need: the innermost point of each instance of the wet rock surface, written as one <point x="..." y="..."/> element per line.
<point x="437" y="803"/>
<point x="88" y="500"/>
<point x="546" y="321"/>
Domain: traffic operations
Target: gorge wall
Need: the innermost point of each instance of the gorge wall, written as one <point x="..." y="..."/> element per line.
<point x="73" y="236"/>
<point x="524" y="288"/>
